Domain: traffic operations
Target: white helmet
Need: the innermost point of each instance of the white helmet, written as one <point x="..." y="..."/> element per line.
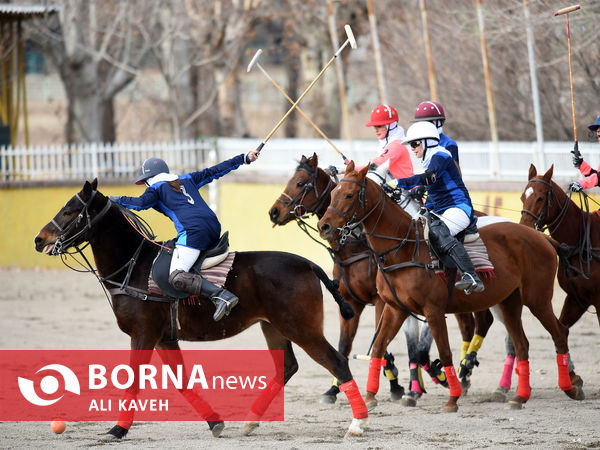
<point x="419" y="131"/>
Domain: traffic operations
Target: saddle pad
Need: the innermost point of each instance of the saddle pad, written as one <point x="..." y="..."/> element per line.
<point x="158" y="281"/>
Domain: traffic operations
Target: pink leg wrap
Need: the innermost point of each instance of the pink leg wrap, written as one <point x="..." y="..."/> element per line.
<point x="263" y="401"/>
<point x="523" y="390"/>
<point x="453" y="383"/>
<point x="200" y="405"/>
<point x="359" y="409"/>
<point x="415" y="385"/>
<point x="564" y="380"/>
<point x="373" y="380"/>
<point x="126" y="417"/>
<point x="506" y="379"/>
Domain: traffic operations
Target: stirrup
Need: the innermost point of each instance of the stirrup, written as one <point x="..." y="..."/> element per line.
<point x="469" y="284"/>
<point x="223" y="305"/>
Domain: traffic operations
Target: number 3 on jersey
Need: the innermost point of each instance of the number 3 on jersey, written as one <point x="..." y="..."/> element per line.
<point x="189" y="197"/>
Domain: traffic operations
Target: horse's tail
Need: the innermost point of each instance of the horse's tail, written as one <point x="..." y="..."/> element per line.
<point x="562" y="250"/>
<point x="332" y="286"/>
<point x="553" y="242"/>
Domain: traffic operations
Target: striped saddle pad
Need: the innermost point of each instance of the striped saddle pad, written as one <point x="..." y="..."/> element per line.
<point x="479" y="256"/>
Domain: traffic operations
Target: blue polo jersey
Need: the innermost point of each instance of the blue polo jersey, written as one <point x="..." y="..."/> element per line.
<point x="449" y="145"/>
<point x="196" y="224"/>
<point x="448" y="191"/>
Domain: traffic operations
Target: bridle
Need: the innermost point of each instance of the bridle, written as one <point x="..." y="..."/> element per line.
<point x="541" y="217"/>
<point x="64" y="241"/>
<point x="295" y="204"/>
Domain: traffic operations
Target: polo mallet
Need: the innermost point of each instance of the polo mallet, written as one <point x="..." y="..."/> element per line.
<point x="254" y="62"/>
<point x="352" y="43"/>
<point x="566" y="11"/>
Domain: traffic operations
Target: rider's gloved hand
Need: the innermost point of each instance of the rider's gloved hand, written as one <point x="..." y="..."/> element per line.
<point x="417" y="193"/>
<point x="331" y="170"/>
<point x="575" y="187"/>
<point x="577" y="160"/>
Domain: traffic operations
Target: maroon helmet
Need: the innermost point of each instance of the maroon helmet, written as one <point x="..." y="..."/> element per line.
<point x="429" y="110"/>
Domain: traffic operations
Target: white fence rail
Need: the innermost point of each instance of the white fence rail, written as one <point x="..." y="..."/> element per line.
<point x="278" y="158"/>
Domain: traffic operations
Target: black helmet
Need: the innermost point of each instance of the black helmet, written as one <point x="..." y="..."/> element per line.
<point x="150" y="168"/>
<point x="595" y="125"/>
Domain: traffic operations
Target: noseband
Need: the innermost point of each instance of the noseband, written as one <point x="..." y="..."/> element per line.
<point x="65" y="241"/>
<point x="295" y="204"/>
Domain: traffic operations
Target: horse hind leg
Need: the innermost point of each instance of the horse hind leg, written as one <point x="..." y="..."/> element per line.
<point x="275" y="341"/>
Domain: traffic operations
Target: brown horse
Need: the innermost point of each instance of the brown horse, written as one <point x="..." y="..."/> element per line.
<point x="308" y="191"/>
<point x="525" y="267"/>
<point x="546" y="206"/>
<point x="279" y="290"/>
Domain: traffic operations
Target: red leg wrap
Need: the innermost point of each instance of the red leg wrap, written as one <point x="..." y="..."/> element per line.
<point x="373" y="380"/>
<point x="359" y="409"/>
<point x="200" y="405"/>
<point x="263" y="401"/>
<point x="126" y="417"/>
<point x="564" y="380"/>
<point x="453" y="383"/>
<point x="524" y="390"/>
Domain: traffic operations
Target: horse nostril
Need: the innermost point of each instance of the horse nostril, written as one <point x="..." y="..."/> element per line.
<point x="325" y="228"/>
<point x="273" y="214"/>
<point x="37" y="240"/>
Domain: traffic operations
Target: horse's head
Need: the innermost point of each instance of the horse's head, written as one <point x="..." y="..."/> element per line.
<point x="348" y="203"/>
<point x="306" y="192"/>
<point x="71" y="224"/>
<point x="540" y="204"/>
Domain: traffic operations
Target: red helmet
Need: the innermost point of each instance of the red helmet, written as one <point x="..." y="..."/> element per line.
<point x="429" y="110"/>
<point x="382" y="115"/>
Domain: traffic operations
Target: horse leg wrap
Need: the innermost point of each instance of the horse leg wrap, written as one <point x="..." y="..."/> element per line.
<point x="475" y="344"/>
<point x="359" y="409"/>
<point x="389" y="369"/>
<point x="506" y="379"/>
<point x="453" y="383"/>
<point x="523" y="390"/>
<point x="200" y="405"/>
<point x="373" y="380"/>
<point x="463" y="349"/>
<point x="416" y="379"/>
<point x="564" y="380"/>
<point x="126" y="415"/>
<point x="263" y="401"/>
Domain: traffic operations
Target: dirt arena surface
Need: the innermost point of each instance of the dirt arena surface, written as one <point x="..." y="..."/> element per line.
<point x="67" y="310"/>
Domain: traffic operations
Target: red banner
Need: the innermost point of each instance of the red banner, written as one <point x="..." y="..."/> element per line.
<point x="103" y="385"/>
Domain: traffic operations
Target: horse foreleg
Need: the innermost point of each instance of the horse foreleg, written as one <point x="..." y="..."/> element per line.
<point x="136" y="358"/>
<point x="468" y="361"/>
<point x="348" y="330"/>
<point x="389" y="367"/>
<point x="170" y="354"/>
<point x="439" y="330"/>
<point x="389" y="325"/>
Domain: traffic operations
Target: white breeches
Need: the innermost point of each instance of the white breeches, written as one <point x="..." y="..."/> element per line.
<point x="455" y="219"/>
<point x="183" y="258"/>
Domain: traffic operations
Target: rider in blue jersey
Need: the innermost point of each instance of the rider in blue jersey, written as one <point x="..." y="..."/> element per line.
<point x="197" y="225"/>
<point x="449" y="199"/>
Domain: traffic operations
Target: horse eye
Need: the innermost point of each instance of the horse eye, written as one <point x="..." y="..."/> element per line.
<point x="540" y="199"/>
<point x="349" y="195"/>
<point x="301" y="184"/>
<point x="67" y="212"/>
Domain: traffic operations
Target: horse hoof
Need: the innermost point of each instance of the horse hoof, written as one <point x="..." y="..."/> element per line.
<point x="410" y="399"/>
<point x="516" y="403"/>
<point x="249" y="427"/>
<point x="327" y="399"/>
<point x="576" y="380"/>
<point x="371" y="404"/>
<point x="216" y="427"/>
<point x="499" y="395"/>
<point x="118" y="431"/>
<point x="396" y="396"/>
<point x="465" y="384"/>
<point x="450" y="408"/>
<point x="576" y="393"/>
<point x="357" y="426"/>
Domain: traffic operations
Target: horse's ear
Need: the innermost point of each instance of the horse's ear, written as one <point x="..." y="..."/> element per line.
<point x="350" y="167"/>
<point x="95" y="184"/>
<point x="532" y="172"/>
<point x="548" y="175"/>
<point x="313" y="161"/>
<point x="363" y="172"/>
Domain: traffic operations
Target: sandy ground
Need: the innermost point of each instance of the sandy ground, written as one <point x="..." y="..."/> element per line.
<point x="67" y="310"/>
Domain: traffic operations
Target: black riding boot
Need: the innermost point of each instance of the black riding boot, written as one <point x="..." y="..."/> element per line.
<point x="469" y="282"/>
<point x="194" y="284"/>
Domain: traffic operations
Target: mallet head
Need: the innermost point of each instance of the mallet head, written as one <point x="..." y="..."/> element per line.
<point x="254" y="59"/>
<point x="350" y="36"/>
<point x="567" y="10"/>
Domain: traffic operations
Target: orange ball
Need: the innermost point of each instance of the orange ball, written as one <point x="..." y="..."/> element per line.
<point x="58" y="426"/>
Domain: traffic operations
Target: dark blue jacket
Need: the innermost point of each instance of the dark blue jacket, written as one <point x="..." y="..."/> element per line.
<point x="196" y="224"/>
<point x="449" y="145"/>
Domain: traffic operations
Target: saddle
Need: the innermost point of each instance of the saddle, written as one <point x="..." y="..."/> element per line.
<point x="208" y="258"/>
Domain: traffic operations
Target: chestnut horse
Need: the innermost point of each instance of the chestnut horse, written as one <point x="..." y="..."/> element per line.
<point x="525" y="266"/>
<point x="309" y="192"/>
<point x="546" y="206"/>
<point x="279" y="290"/>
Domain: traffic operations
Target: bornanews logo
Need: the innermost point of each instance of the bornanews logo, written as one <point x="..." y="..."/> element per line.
<point x="144" y="385"/>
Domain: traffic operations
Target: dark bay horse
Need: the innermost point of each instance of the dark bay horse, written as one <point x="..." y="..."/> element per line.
<point x="546" y="206"/>
<point x="309" y="192"/>
<point x="279" y="290"/>
<point x="525" y="266"/>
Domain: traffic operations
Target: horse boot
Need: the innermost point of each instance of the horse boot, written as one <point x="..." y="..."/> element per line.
<point x="223" y="300"/>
